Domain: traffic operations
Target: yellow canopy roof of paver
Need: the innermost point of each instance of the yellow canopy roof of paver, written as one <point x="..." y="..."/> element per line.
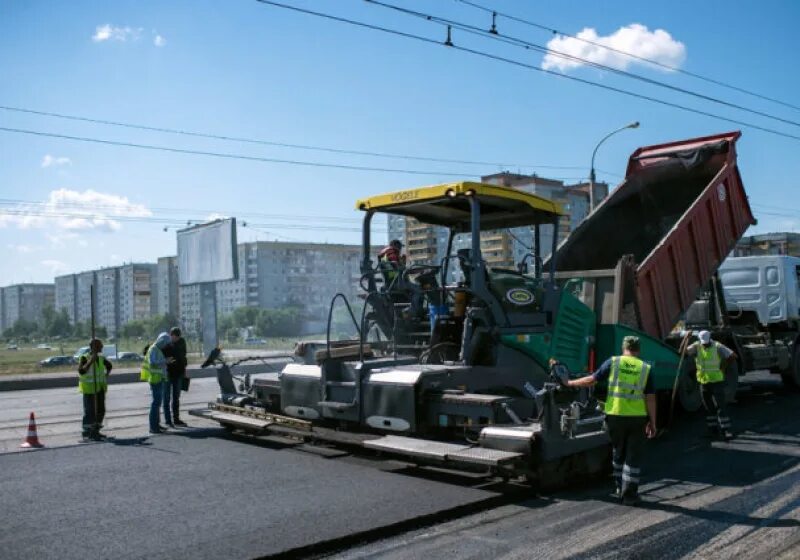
<point x="448" y="205"/>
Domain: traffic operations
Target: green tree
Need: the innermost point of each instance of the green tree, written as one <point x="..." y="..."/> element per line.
<point x="58" y="325"/>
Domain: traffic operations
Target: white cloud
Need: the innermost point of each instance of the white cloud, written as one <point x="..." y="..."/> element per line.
<point x="159" y="41"/>
<point x="637" y="39"/>
<point x="49" y="161"/>
<point x="55" y="266"/>
<point x="216" y="216"/>
<point x="22" y="248"/>
<point x="108" y="32"/>
<point x="68" y="211"/>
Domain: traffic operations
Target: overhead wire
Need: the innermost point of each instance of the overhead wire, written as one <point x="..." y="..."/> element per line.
<point x="227" y="155"/>
<point x="513" y="62"/>
<point x="88" y="215"/>
<point x="669" y="67"/>
<point x="241" y="139"/>
<point x="495" y="35"/>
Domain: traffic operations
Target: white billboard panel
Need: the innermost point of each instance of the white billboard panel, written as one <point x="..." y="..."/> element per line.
<point x="207" y="253"/>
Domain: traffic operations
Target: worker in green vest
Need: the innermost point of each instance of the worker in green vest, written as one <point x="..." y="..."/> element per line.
<point x="391" y="261"/>
<point x="93" y="370"/>
<point x="711" y="360"/>
<point x="154" y="372"/>
<point x="630" y="413"/>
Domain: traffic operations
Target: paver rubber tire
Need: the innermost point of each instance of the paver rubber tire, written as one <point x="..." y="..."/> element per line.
<point x="689" y="393"/>
<point x="791" y="377"/>
<point x="731" y="382"/>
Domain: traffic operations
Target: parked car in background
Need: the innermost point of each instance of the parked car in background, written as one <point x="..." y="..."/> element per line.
<point x="12" y="347"/>
<point x="255" y="341"/>
<point x="54" y="361"/>
<point x="129" y="357"/>
<point x="43" y="347"/>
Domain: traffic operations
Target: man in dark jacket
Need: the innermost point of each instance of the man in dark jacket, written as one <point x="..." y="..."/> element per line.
<point x="175" y="352"/>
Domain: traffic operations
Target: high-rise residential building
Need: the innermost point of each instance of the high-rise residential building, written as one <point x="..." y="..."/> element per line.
<point x="782" y="243"/>
<point x="138" y="291"/>
<point x="107" y="311"/>
<point x="25" y="301"/>
<point x="167" y="277"/>
<point x="276" y="274"/>
<point x="121" y="294"/>
<point x="84" y="281"/>
<point x="66" y="295"/>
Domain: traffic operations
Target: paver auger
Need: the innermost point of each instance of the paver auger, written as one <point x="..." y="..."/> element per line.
<point x="453" y="373"/>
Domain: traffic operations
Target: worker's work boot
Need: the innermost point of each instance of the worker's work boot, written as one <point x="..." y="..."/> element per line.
<point x="727" y="435"/>
<point x="181" y="423"/>
<point x="631" y="500"/>
<point x="617" y="493"/>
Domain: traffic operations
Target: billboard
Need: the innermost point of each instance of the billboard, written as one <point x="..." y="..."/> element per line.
<point x="207" y="253"/>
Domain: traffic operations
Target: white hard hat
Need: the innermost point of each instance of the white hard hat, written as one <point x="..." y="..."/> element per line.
<point x="704" y="336"/>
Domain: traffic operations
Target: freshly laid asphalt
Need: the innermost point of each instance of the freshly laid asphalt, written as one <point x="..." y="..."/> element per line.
<point x="701" y="499"/>
<point x="197" y="496"/>
<point x="196" y="493"/>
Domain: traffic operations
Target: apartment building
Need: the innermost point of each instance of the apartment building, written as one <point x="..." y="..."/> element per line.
<point x="66" y="289"/>
<point x="782" y="243"/>
<point x="276" y="274"/>
<point x="24" y="301"/>
<point x="167" y="279"/>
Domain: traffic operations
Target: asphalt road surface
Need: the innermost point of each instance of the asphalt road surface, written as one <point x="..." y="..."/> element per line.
<point x="198" y="494"/>
<point x="702" y="499"/>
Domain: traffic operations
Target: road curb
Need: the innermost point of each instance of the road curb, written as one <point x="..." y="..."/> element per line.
<point x="36" y="381"/>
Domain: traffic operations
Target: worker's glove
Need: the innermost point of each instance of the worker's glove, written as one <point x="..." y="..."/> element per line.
<point x="560" y="373"/>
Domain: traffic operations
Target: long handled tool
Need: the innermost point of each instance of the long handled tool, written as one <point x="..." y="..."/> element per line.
<point x="96" y="424"/>
<point x="683" y="347"/>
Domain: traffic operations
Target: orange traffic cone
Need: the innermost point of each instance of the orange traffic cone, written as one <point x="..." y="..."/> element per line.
<point x="32" y="440"/>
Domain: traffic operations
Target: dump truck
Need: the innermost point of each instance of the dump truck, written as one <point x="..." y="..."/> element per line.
<point x="457" y="373"/>
<point x="752" y="305"/>
<point x="665" y="231"/>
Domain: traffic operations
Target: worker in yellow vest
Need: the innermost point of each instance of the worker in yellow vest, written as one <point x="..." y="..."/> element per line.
<point x="630" y="413"/>
<point x="711" y="360"/>
<point x="93" y="370"/>
<point x="154" y="371"/>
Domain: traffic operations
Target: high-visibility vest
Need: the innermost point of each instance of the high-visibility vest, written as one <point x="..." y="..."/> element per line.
<point x="95" y="380"/>
<point x="149" y="373"/>
<point x="708" y="364"/>
<point x="388" y="267"/>
<point x="626" y="385"/>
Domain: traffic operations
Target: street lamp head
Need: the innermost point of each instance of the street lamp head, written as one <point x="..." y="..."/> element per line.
<point x="634" y="124"/>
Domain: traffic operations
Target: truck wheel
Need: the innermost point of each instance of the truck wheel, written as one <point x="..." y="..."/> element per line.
<point x="731" y="382"/>
<point x="791" y="376"/>
<point x="689" y="394"/>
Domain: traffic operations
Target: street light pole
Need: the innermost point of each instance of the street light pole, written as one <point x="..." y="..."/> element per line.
<point x="592" y="176"/>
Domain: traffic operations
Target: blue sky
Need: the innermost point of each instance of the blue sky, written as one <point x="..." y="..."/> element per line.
<point x="240" y="68"/>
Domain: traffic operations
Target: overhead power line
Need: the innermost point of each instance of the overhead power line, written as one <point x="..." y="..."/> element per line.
<point x="179" y="211"/>
<point x="163" y="221"/>
<point x="233" y="156"/>
<point x="669" y="67"/>
<point x="513" y="62"/>
<point x="225" y="155"/>
<point x="495" y="35"/>
<point x="228" y="138"/>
